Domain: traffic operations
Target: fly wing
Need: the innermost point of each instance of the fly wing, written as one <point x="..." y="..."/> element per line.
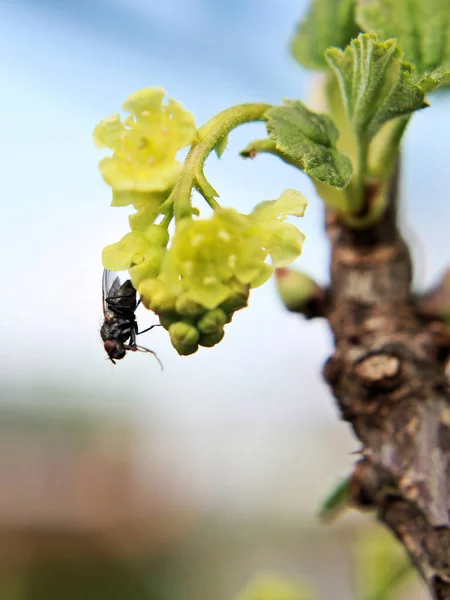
<point x="110" y="287"/>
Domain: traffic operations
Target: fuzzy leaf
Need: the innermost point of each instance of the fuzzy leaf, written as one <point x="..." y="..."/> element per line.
<point x="422" y="28"/>
<point x="375" y="84"/>
<point x="308" y="139"/>
<point x="328" y="23"/>
<point x="435" y="79"/>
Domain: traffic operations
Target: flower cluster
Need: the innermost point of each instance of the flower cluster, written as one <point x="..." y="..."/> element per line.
<point x="197" y="283"/>
<point x="197" y="279"/>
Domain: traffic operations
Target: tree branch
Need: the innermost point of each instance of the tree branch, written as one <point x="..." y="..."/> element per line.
<point x="388" y="378"/>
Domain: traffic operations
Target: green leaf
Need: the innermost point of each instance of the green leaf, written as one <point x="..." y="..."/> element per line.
<point x="308" y="140"/>
<point x="328" y="23"/>
<point x="336" y="501"/>
<point x="347" y="142"/>
<point x="375" y="84"/>
<point x="435" y="79"/>
<point x="422" y="28"/>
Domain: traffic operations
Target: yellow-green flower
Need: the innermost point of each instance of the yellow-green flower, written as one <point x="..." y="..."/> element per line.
<point x="207" y="253"/>
<point x="144" y="144"/>
<point x="208" y="256"/>
<point x="184" y="337"/>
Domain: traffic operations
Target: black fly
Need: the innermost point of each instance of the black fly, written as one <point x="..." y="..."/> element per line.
<point x="119" y="329"/>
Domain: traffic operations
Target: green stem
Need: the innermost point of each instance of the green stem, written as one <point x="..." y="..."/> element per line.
<point x="265" y="145"/>
<point x="167" y="217"/>
<point x="209" y="135"/>
<point x="363" y="156"/>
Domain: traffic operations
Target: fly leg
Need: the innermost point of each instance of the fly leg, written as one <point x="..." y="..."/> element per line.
<point x="148" y="328"/>
<point x="134" y="331"/>
<point x="134" y="348"/>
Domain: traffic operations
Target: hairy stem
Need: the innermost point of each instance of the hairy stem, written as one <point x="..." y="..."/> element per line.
<point x="209" y="136"/>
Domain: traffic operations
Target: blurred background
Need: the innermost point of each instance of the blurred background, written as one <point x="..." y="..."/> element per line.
<point x="122" y="481"/>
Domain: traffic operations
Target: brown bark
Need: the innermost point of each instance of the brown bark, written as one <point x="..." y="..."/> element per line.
<point x="387" y="374"/>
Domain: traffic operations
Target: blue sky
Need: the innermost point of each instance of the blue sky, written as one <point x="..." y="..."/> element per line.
<point x="72" y="63"/>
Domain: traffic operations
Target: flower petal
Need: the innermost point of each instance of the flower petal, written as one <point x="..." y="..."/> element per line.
<point x="265" y="273"/>
<point x="207" y="291"/>
<point x="108" y="132"/>
<point x="123" y="175"/>
<point x="185" y="121"/>
<point x="148" y="99"/>
<point x="145" y="215"/>
<point x="290" y="202"/>
<point x="285" y="244"/>
<point x="131" y="250"/>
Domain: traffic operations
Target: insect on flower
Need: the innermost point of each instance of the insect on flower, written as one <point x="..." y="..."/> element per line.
<point x="119" y="329"/>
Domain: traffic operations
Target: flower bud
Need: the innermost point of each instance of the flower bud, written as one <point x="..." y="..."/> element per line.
<point x="229" y="316"/>
<point x="296" y="289"/>
<point x="184" y="337"/>
<point x="238" y="298"/>
<point x="212" y="321"/>
<point x="211" y="339"/>
<point x="166" y="319"/>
